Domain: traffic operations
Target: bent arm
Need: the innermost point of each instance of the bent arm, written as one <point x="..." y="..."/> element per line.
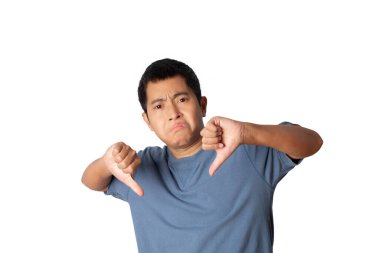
<point x="96" y="176"/>
<point x="296" y="141"/>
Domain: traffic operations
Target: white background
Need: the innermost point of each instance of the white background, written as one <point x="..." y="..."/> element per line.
<point x="69" y="72"/>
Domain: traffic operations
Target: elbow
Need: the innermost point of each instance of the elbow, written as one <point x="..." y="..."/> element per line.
<point x="315" y="143"/>
<point x="94" y="184"/>
<point x="318" y="142"/>
<point x="84" y="180"/>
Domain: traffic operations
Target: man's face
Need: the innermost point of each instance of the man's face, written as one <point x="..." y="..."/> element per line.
<point x="173" y="112"/>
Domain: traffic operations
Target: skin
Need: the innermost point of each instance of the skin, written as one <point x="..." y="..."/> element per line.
<point x="175" y="115"/>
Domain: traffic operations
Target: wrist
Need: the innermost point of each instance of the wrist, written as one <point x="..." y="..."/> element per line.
<point x="243" y="134"/>
<point x="250" y="131"/>
<point x="104" y="168"/>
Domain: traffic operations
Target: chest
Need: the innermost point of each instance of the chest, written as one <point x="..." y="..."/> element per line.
<point x="194" y="198"/>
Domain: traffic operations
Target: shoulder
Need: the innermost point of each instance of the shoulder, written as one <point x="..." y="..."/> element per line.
<point x="153" y="152"/>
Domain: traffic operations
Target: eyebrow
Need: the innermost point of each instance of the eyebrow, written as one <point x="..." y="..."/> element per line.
<point x="175" y="95"/>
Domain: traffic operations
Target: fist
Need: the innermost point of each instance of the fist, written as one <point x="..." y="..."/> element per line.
<point x="223" y="135"/>
<point x="122" y="161"/>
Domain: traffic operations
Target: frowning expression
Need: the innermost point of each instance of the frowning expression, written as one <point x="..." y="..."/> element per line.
<point x="173" y="112"/>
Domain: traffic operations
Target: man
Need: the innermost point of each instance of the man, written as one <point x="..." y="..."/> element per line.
<point x="210" y="188"/>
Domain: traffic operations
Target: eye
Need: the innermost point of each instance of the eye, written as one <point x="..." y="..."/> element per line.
<point x="157" y="107"/>
<point x="181" y="100"/>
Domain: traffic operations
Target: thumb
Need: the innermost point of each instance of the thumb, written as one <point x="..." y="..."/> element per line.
<point x="219" y="160"/>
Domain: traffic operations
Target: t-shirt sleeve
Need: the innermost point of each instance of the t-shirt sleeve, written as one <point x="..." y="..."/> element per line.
<point x="118" y="189"/>
<point x="271" y="164"/>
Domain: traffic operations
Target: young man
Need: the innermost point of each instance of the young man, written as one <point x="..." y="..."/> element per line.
<point x="210" y="189"/>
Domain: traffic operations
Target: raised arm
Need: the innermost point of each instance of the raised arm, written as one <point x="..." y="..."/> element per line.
<point x="296" y="141"/>
<point x="225" y="135"/>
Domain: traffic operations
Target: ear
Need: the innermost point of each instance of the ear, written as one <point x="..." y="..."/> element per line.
<point x="203" y="106"/>
<point x="146" y="119"/>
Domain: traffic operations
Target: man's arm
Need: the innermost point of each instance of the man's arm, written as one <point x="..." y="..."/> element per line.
<point x="296" y="141"/>
<point x="225" y="135"/>
<point x="120" y="161"/>
<point x="96" y="176"/>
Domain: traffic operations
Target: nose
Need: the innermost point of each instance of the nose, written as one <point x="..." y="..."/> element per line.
<point x="175" y="117"/>
<point x="174" y="113"/>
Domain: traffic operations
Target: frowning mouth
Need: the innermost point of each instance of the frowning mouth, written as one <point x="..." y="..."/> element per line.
<point x="177" y="126"/>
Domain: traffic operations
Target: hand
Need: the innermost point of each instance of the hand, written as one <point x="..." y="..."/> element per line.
<point x="223" y="135"/>
<point x="122" y="161"/>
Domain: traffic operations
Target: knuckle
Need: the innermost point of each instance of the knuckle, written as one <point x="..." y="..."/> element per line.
<point x="134" y="166"/>
<point x="122" y="164"/>
<point x="127" y="150"/>
<point x="120" y="157"/>
<point x="116" y="148"/>
<point x="118" y="145"/>
<point x="128" y="171"/>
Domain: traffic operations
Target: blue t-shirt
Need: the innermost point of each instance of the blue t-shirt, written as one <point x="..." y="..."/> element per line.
<point x="186" y="210"/>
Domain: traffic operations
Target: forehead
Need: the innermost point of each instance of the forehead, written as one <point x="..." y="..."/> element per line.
<point x="166" y="87"/>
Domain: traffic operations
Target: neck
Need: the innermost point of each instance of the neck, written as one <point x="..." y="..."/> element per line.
<point x="180" y="152"/>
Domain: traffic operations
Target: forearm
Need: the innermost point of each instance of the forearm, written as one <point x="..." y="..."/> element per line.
<point x="297" y="142"/>
<point x="96" y="176"/>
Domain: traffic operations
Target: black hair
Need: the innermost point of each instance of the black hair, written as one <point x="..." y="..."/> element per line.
<point x="167" y="68"/>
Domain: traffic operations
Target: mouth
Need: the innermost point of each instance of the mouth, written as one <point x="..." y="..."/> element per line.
<point x="177" y="127"/>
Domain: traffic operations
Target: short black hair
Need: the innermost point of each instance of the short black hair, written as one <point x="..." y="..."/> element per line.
<point x="167" y="68"/>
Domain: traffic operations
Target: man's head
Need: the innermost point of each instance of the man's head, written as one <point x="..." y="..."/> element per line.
<point x="166" y="68"/>
<point x="170" y="95"/>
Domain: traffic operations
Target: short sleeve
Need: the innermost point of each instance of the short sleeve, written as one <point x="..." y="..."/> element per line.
<point x="118" y="189"/>
<point x="271" y="164"/>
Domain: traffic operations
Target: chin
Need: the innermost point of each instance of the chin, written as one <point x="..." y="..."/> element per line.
<point x="183" y="143"/>
<point x="180" y="142"/>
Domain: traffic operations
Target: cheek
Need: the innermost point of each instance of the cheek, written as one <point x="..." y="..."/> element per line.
<point x="158" y="126"/>
<point x="194" y="119"/>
